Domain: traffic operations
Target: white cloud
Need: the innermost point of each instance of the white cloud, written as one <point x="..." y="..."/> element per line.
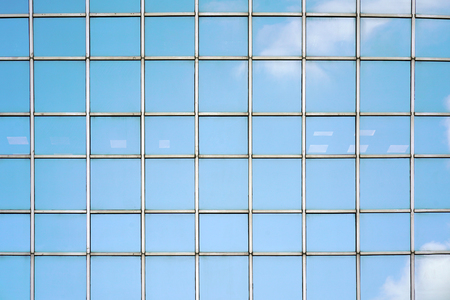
<point x="281" y="38"/>
<point x="240" y="70"/>
<point x="446" y="123"/>
<point x="369" y="26"/>
<point x="327" y="36"/>
<point x="282" y="70"/>
<point x="432" y="6"/>
<point x="387" y="6"/>
<point x="447" y="102"/>
<point x="396" y="289"/>
<point x="222" y="6"/>
<point x="335" y="6"/>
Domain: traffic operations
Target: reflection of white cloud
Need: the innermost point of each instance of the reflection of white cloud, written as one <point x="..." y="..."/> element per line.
<point x="432" y="6"/>
<point x="387" y="6"/>
<point x="447" y="102"/>
<point x="329" y="36"/>
<point x="369" y="26"/>
<point x="335" y="6"/>
<point x="222" y="6"/>
<point x="281" y="38"/>
<point x="240" y="70"/>
<point x="281" y="69"/>
<point x="446" y="123"/>
<point x="396" y="289"/>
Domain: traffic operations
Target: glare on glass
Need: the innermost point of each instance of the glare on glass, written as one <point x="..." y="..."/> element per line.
<point x="170" y="232"/>
<point x="277" y="135"/>
<point x="115" y="135"/>
<point x="117" y="6"/>
<point x="431" y="276"/>
<point x="223" y="233"/>
<point x="169" y="6"/>
<point x="330" y="232"/>
<point x="432" y="231"/>
<point x="330" y="135"/>
<point x="277" y="232"/>
<point x="387" y="7"/>
<point x="277" y="6"/>
<point x="14" y="37"/>
<point x="223" y="135"/>
<point x="14" y="7"/>
<point x="14" y="135"/>
<point x="15" y="87"/>
<point x="15" y="277"/>
<point x="435" y="7"/>
<point x="169" y="135"/>
<point x="14" y="233"/>
<point x="15" y="184"/>
<point x="433" y="38"/>
<point x="115" y="232"/>
<point x="330" y="6"/>
<point x="431" y="178"/>
<point x="432" y="92"/>
<point x="55" y="6"/>
<point x="223" y="5"/>
<point x="431" y="135"/>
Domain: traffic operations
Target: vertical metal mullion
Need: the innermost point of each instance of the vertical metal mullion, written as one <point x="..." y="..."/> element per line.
<point x="32" y="194"/>
<point x="196" y="165"/>
<point x="250" y="148"/>
<point x="357" y="149"/>
<point x="143" y="265"/>
<point x="303" y="105"/>
<point x="412" y="162"/>
<point x="88" y="159"/>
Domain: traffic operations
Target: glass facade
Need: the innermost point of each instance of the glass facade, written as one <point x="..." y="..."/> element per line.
<point x="225" y="149"/>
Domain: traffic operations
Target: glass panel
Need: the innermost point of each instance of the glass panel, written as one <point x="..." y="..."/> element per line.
<point x="386" y="7"/>
<point x="60" y="135"/>
<point x="15" y="87"/>
<point x="436" y="7"/>
<point x="115" y="184"/>
<point x="172" y="36"/>
<point x="223" y="183"/>
<point x="432" y="277"/>
<point x="15" y="184"/>
<point x="432" y="231"/>
<point x="115" y="86"/>
<point x="115" y="233"/>
<point x="170" y="232"/>
<point x="431" y="178"/>
<point x="330" y="135"/>
<point x="390" y="174"/>
<point x="330" y="86"/>
<point x="432" y="135"/>
<point x="169" y="184"/>
<point x="15" y="277"/>
<point x="116" y="6"/>
<point x="432" y="89"/>
<point x="115" y="36"/>
<point x="14" y="233"/>
<point x="169" y="135"/>
<point x="277" y="232"/>
<point x="325" y="190"/>
<point x="330" y="36"/>
<point x="55" y="6"/>
<point x="14" y="37"/>
<point x="223" y="135"/>
<point x="277" y="135"/>
<point x="384" y="135"/>
<point x="330" y="232"/>
<point x="59" y="86"/>
<point x="223" y="36"/>
<point x="385" y="86"/>
<point x="14" y="135"/>
<point x="115" y="278"/>
<point x="115" y="135"/>
<point x="166" y="272"/>
<point x="277" y="277"/>
<point x="169" y="6"/>
<point x="223" y="86"/>
<point x="277" y="6"/>
<point x="14" y="7"/>
<point x="433" y="38"/>
<point x="223" y="5"/>
<point x="60" y="36"/>
<point x="224" y="278"/>
<point x="161" y="78"/>
<point x="223" y="233"/>
<point x="331" y="6"/>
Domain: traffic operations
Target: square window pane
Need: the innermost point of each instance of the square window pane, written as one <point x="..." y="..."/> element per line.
<point x="223" y="135"/>
<point x="14" y="37"/>
<point x="432" y="38"/>
<point x="431" y="178"/>
<point x="436" y="7"/>
<point x="116" y="6"/>
<point x="14" y="135"/>
<point x="55" y="6"/>
<point x="277" y="135"/>
<point x="432" y="93"/>
<point x="432" y="135"/>
<point x="14" y="233"/>
<point x="15" y="184"/>
<point x="331" y="6"/>
<point x="115" y="233"/>
<point x="330" y="135"/>
<point x="277" y="232"/>
<point x="14" y="7"/>
<point x="115" y="135"/>
<point x="170" y="232"/>
<point x="431" y="231"/>
<point x="277" y="6"/>
<point x="223" y="5"/>
<point x="15" y="87"/>
<point x="169" y="135"/>
<point x="431" y="276"/>
<point x="386" y="7"/>
<point x="15" y="277"/>
<point x="223" y="233"/>
<point x="330" y="232"/>
<point x="169" y="6"/>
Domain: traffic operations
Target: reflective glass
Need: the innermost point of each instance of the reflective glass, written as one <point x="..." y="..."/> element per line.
<point x="115" y="184"/>
<point x="170" y="232"/>
<point x="60" y="135"/>
<point x="115" y="86"/>
<point x="169" y="135"/>
<point x="15" y="277"/>
<point x="277" y="6"/>
<point x="330" y="36"/>
<point x="223" y="233"/>
<point x="57" y="6"/>
<point x="277" y="232"/>
<point x="14" y="135"/>
<point x="432" y="274"/>
<point x="277" y="135"/>
<point x="14" y="37"/>
<point x="14" y="184"/>
<point x="432" y="91"/>
<point x="330" y="135"/>
<point x="115" y="233"/>
<point x="330" y="232"/>
<point x="115" y="135"/>
<point x="386" y="7"/>
<point x="59" y="86"/>
<point x="331" y="6"/>
<point x="435" y="7"/>
<point x="432" y="38"/>
<point x="432" y="135"/>
<point x="14" y="7"/>
<point x="330" y="86"/>
<point x="14" y="233"/>
<point x="223" y="135"/>
<point x="223" y="86"/>
<point x="169" y="6"/>
<point x="223" y="5"/>
<point x="15" y="87"/>
<point x="116" y="6"/>
<point x="431" y="179"/>
<point x="169" y="36"/>
<point x="432" y="231"/>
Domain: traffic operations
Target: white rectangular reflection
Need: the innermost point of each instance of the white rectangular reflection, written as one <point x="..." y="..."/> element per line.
<point x="397" y="148"/>
<point x="17" y="140"/>
<point x="323" y="133"/>
<point x="366" y="132"/>
<point x="118" y="143"/>
<point x="318" y="148"/>
<point x="164" y="144"/>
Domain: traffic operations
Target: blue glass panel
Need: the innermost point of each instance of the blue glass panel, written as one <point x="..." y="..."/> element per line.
<point x="330" y="86"/>
<point x="59" y="86"/>
<point x="14" y="37"/>
<point x="116" y="6"/>
<point x="277" y="6"/>
<point x="115" y="184"/>
<point x="115" y="86"/>
<point x="60" y="135"/>
<point x="15" y="277"/>
<point x="277" y="232"/>
<point x="431" y="276"/>
<point x="223" y="233"/>
<point x="432" y="135"/>
<point x="330" y="135"/>
<point x="223" y="86"/>
<point x="432" y="91"/>
<point x="223" y="135"/>
<point x="330" y="232"/>
<point x="115" y="135"/>
<point x="57" y="6"/>
<point x="432" y="38"/>
<point x="169" y="184"/>
<point x="223" y="5"/>
<point x="432" y="231"/>
<point x="325" y="190"/>
<point x="223" y="183"/>
<point x="170" y="233"/>
<point x="14" y="7"/>
<point x="277" y="135"/>
<point x="169" y="135"/>
<point x="223" y="36"/>
<point x="15" y="87"/>
<point x="385" y="86"/>
<point x="14" y="184"/>
<point x="14" y="135"/>
<point x="386" y="7"/>
<point x="169" y="6"/>
<point x="60" y="36"/>
<point x="14" y="233"/>
<point x="115" y="233"/>
<point x="331" y="6"/>
<point x="115" y="36"/>
<point x="431" y="178"/>
<point x="435" y="7"/>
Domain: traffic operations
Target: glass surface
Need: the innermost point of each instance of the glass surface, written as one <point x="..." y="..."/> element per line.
<point x="330" y="86"/>
<point x="60" y="135"/>
<point x="390" y="174"/>
<point x="432" y="276"/>
<point x="115" y="36"/>
<point x="115" y="233"/>
<point x="277" y="232"/>
<point x="431" y="178"/>
<point x="432" y="38"/>
<point x="432" y="135"/>
<point x="115" y="86"/>
<point x="169" y="135"/>
<point x="223" y="183"/>
<point x="223" y="5"/>
<point x="15" y="87"/>
<point x="223" y="36"/>
<point x="223" y="233"/>
<point x="277" y="183"/>
<point x="331" y="6"/>
<point x="14" y="135"/>
<point x="385" y="86"/>
<point x="385" y="37"/>
<point x="277" y="277"/>
<point x="59" y="86"/>
<point x="160" y="79"/>
<point x="170" y="232"/>
<point x="115" y="278"/>
<point x="14" y="37"/>
<point x="15" y="277"/>
<point x="277" y="135"/>
<point x="14" y="233"/>
<point x="224" y="277"/>
<point x="54" y="281"/>
<point x="435" y="7"/>
<point x="169" y="36"/>
<point x="330" y="36"/>
<point x="432" y="91"/>
<point x="330" y="232"/>
<point x="165" y="272"/>
<point x="277" y="6"/>
<point x="56" y="6"/>
<point x="15" y="184"/>
<point x="325" y="190"/>
<point x="330" y="135"/>
<point x="115" y="135"/>
<point x="14" y="7"/>
<point x="223" y="86"/>
<point x="60" y="36"/>
<point x="116" y="6"/>
<point x="169" y="184"/>
<point x="169" y="6"/>
<point x="386" y="7"/>
<point x="115" y="184"/>
<point x="432" y="231"/>
<point x="277" y="36"/>
<point x="223" y="135"/>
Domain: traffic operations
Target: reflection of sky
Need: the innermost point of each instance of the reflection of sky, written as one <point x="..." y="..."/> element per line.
<point x="384" y="135"/>
<point x="14" y="7"/>
<point x="330" y="135"/>
<point x="432" y="90"/>
<point x="115" y="232"/>
<point x="118" y="6"/>
<point x="432" y="135"/>
<point x="432" y="231"/>
<point x="170" y="232"/>
<point x="277" y="135"/>
<point x="433" y="7"/>
<point x="15" y="276"/>
<point x="322" y="237"/>
<point x="387" y="6"/>
<point x="223" y="233"/>
<point x="432" y="277"/>
<point x="15" y="87"/>
<point x="277" y="6"/>
<point x="331" y="6"/>
<point x="431" y="179"/>
<point x="432" y="38"/>
<point x="223" y="135"/>
<point x="66" y="6"/>
<point x="169" y="6"/>
<point x="223" y="5"/>
<point x="15" y="184"/>
<point x="14" y="135"/>
<point x="277" y="232"/>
